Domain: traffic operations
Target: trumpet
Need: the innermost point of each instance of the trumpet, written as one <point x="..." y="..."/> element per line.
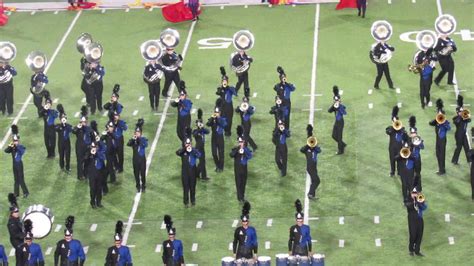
<point x="281" y="127"/>
<point x="416" y="140"/>
<point x="336" y="104"/>
<point x="405" y="152"/>
<point x="420" y="198"/>
<point x="278" y="101"/>
<point x="176" y="100"/>
<point x="244" y="106"/>
<point x="465" y="114"/>
<point x="12" y="145"/>
<point x="189" y="148"/>
<point x="312" y="141"/>
<point x="214" y="115"/>
<point x="241" y="151"/>
<point x="79" y="125"/>
<point x="440" y="118"/>
<point x="93" y="150"/>
<point x="397" y="124"/>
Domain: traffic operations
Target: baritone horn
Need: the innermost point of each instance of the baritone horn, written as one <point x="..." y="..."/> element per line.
<point x="465" y="114"/>
<point x="311" y="141"/>
<point x="7" y="52"/>
<point x="405" y="152"/>
<point x="440" y="118"/>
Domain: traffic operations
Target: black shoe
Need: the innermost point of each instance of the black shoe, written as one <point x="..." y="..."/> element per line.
<point x="358" y="14"/>
<point x="412" y="253"/>
<point x="26" y="195"/>
<point x="436" y="82"/>
<point x="392" y="174"/>
<point x="93" y="205"/>
<point x="455" y="163"/>
<point x="193" y="204"/>
<point x="282" y="174"/>
<point x="100" y="205"/>
<point x="138" y="190"/>
<point x="363" y="16"/>
<point x="419" y="254"/>
<point x="186" y="205"/>
<point x="441" y="173"/>
<point x="451" y="83"/>
<point x="377" y="87"/>
<point x="339" y="152"/>
<point x="392" y="87"/>
<point x="143" y="189"/>
<point x="205" y="178"/>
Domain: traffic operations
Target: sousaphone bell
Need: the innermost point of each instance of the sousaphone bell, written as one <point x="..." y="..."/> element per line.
<point x="151" y="50"/>
<point x="7" y="52"/>
<point x="83" y="41"/>
<point x="36" y="61"/>
<point x="243" y="40"/>
<point x="93" y="52"/>
<point x="169" y="38"/>
<point x="426" y="39"/>
<point x="445" y="24"/>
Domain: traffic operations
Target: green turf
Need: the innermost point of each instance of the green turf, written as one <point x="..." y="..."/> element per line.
<point x="355" y="185"/>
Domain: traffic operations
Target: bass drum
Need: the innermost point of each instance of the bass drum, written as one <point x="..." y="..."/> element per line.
<point x="42" y="219"/>
<point x="228" y="261"/>
<point x="318" y="260"/>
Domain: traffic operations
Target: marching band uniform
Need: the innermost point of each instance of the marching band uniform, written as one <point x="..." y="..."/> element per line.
<point x="200" y="137"/>
<point x="280" y="112"/>
<point x="49" y="116"/>
<point x="395" y="143"/>
<point x="245" y="243"/>
<point x="17" y="151"/>
<point x="361" y="6"/>
<point x="246" y="123"/>
<point x="170" y="62"/>
<point x="460" y="134"/>
<point x="83" y="63"/>
<point x="114" y="106"/>
<point x="471" y="156"/>
<point x="15" y="225"/>
<point x="226" y="93"/>
<point x="64" y="130"/>
<point x="382" y="68"/>
<point x="152" y="76"/>
<point x="38" y="80"/>
<point x="83" y="140"/>
<point x="238" y="60"/>
<point x="69" y="251"/>
<point x="139" y="144"/>
<point x="110" y="154"/>
<point x="94" y="166"/>
<point x="241" y="154"/>
<point x="339" y="111"/>
<point x="446" y="60"/>
<point x="183" y="105"/>
<point x="29" y="253"/>
<point x="415" y="211"/>
<point x="118" y="255"/>
<point x="7" y="73"/>
<point x="311" y="154"/>
<point x="284" y="90"/>
<point x="280" y="134"/>
<point x="441" y="130"/>
<point x="406" y="169"/>
<point x="299" y="242"/>
<point x="3" y="257"/>
<point x="426" y="74"/>
<point x="172" y="248"/>
<point x="189" y="157"/>
<point x="119" y="127"/>
<point x="94" y="74"/>
<point x="415" y="150"/>
<point x="217" y="124"/>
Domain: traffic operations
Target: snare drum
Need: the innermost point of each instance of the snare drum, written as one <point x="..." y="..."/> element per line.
<point x="281" y="259"/>
<point x="292" y="261"/>
<point x="228" y="261"/>
<point x="42" y="219"/>
<point x="244" y="262"/>
<point x="264" y="261"/>
<point x="304" y="261"/>
<point x="318" y="260"/>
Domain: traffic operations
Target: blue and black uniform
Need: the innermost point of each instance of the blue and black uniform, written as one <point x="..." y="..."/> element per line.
<point x="94" y="86"/>
<point x="284" y="90"/>
<point x="17" y="152"/>
<point x="426" y="75"/>
<point x="461" y="138"/>
<point x="394" y="146"/>
<point x="120" y="127"/>
<point x="64" y="145"/>
<point x="281" y="149"/>
<point x="382" y="68"/>
<point x="338" y="128"/>
<point x="38" y="81"/>
<point x="173" y="253"/>
<point x="280" y="112"/>
<point x="139" y="161"/>
<point x="407" y="173"/>
<point x="184" y="117"/>
<point x="445" y="60"/>
<point x="49" y="116"/>
<point x="226" y="94"/>
<point x="188" y="173"/>
<point x="415" y="223"/>
<point x="83" y="140"/>
<point x="441" y="130"/>
<point x="238" y="60"/>
<point x="7" y="73"/>
<point x="118" y="256"/>
<point x="3" y="257"/>
<point x="241" y="158"/>
<point x="171" y="69"/>
<point x="200" y="138"/>
<point x="95" y="165"/>
<point x="69" y="253"/>
<point x="152" y="76"/>
<point x="246" y="124"/>
<point x="217" y="140"/>
<point x="300" y="240"/>
<point x="245" y="243"/>
<point x="30" y="255"/>
<point x="312" y="167"/>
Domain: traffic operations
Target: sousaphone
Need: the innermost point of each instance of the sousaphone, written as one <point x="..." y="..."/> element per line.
<point x="83" y="41"/>
<point x="151" y="50"/>
<point x="243" y="40"/>
<point x="93" y="52"/>
<point x="426" y="39"/>
<point x="36" y="61"/>
<point x="445" y="24"/>
<point x="381" y="31"/>
<point x="169" y="38"/>
<point x="7" y="52"/>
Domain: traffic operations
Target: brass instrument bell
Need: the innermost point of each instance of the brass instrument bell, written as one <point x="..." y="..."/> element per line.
<point x="311" y="141"/>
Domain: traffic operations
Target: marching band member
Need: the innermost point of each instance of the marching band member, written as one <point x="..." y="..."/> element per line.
<point x="280" y="111"/>
<point x="382" y="68"/>
<point x="171" y="62"/>
<point x="189" y="157"/>
<point x="15" y="226"/>
<point x="246" y="111"/>
<point x="240" y="61"/>
<point x="381" y="52"/>
<point x="217" y="122"/>
<point x="471" y="156"/>
<point x="29" y="253"/>
<point x="241" y="155"/>
<point x="119" y="127"/>
<point x="339" y="111"/>
<point x="3" y="256"/>
<point x="245" y="243"/>
<point x="114" y="106"/>
<point x="284" y="90"/>
<point x="94" y="74"/>
<point x="69" y="251"/>
<point x="442" y="127"/>
<point x="152" y="76"/>
<point x="64" y="130"/>
<point x="183" y="105"/>
<point x="396" y="132"/>
<point x="406" y="162"/>
<point x="139" y="144"/>
<point x="7" y="72"/>
<point x="426" y="60"/>
<point x="38" y="81"/>
<point x="311" y="150"/>
<point x="361" y="6"/>
<point x="118" y="254"/>
<point x="94" y="169"/>
<point x="417" y="145"/>
<point x="200" y="137"/>
<point x="299" y="242"/>
<point x="49" y="116"/>
<point x="17" y="151"/>
<point x="415" y="207"/>
<point x="226" y="93"/>
<point x="111" y="154"/>
<point x="445" y="46"/>
<point x="461" y="120"/>
<point x="83" y="140"/>
<point x="172" y="248"/>
<point x="280" y="134"/>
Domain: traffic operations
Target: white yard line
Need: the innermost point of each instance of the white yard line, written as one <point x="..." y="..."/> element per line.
<point x="312" y="103"/>
<point x="30" y="96"/>
<point x="149" y="158"/>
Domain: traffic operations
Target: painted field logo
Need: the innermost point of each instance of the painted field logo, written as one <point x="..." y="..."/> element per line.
<point x="215" y="43"/>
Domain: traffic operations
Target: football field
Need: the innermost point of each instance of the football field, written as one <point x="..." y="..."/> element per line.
<point x="359" y="217"/>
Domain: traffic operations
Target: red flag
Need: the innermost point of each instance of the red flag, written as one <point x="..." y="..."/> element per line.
<point x="346" y="4"/>
<point x="177" y="12"/>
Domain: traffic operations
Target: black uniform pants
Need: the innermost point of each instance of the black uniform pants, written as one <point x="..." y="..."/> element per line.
<point x="407" y="178"/>
<point x="95" y="186"/>
<point x="441" y="154"/>
<point x="80" y="153"/>
<point x="50" y="139"/>
<point x="217" y="144"/>
<point x="6" y="97"/>
<point x="415" y="227"/>
<point x="242" y="78"/>
<point x="95" y="96"/>
<point x="64" y="148"/>
<point x="281" y="157"/>
<point x="447" y="66"/>
<point x="361" y="6"/>
<point x="315" y="181"/>
<point x="110" y="166"/>
<point x="383" y="69"/>
<point x="287" y="103"/>
<point x="247" y="126"/>
<point x="240" y="173"/>
<point x="154" y="94"/>
<point x="181" y="125"/>
<point x="394" y="150"/>
<point x="461" y="143"/>
<point x="425" y="87"/>
<point x="139" y="171"/>
<point x="244" y="252"/>
<point x="417" y="180"/>
<point x="119" y="154"/>
<point x="228" y="112"/>
<point x="170" y="77"/>
<point x="189" y="184"/>
<point x="337" y="131"/>
<point x="19" y="179"/>
<point x="472" y="180"/>
<point x="201" y="171"/>
<point x="38" y="100"/>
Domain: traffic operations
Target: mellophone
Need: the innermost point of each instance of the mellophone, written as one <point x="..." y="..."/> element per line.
<point x="281" y="260"/>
